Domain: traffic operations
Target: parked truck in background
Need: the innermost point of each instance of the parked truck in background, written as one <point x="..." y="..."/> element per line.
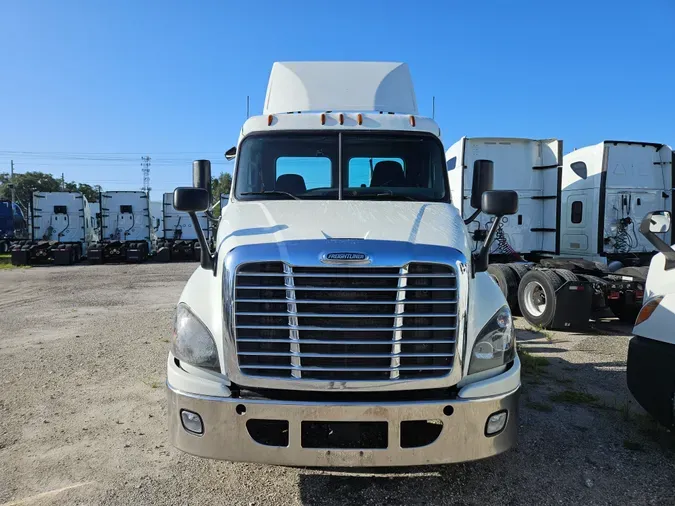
<point x="12" y="224"/>
<point x="126" y="233"/>
<point x="179" y="239"/>
<point x="650" y="369"/>
<point x="59" y="230"/>
<point x="342" y="319"/>
<point x="572" y="246"/>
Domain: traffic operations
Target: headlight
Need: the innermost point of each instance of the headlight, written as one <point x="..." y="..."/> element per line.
<point x="496" y="343"/>
<point x="192" y="342"/>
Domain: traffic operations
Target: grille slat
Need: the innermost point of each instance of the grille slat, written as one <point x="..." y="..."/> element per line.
<point x="345" y="323"/>
<point x="344" y="355"/>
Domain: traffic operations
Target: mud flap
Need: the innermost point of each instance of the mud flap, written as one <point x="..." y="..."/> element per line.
<point x="135" y="254"/>
<point x="20" y="257"/>
<point x="95" y="255"/>
<point x="163" y="255"/>
<point x="574" y="301"/>
<point x="63" y="256"/>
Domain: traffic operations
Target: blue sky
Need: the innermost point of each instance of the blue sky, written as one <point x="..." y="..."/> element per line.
<point x="88" y="87"/>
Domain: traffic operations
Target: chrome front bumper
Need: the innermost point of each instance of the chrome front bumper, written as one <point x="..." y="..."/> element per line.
<point x="226" y="436"/>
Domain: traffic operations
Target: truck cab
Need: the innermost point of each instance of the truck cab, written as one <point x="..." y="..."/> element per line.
<point x="341" y="318"/>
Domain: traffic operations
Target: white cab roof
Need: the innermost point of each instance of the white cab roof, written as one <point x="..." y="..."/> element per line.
<point x="340" y="86"/>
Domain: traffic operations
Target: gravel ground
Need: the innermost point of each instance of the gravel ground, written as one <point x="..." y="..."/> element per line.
<point x="83" y="409"/>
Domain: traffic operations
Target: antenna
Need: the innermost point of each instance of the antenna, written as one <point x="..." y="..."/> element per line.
<point x="145" y="164"/>
<point x="248" y="106"/>
<point x="433" y="107"/>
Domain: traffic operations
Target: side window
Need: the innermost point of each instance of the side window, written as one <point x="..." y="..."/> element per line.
<point x="360" y="170"/>
<point x="452" y="163"/>
<point x="314" y="171"/>
<point x="580" y="169"/>
<point x="577" y="211"/>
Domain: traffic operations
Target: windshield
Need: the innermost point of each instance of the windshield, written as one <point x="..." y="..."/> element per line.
<point x="374" y="166"/>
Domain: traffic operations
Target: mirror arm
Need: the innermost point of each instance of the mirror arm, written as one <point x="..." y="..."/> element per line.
<point x="472" y="217"/>
<point x="662" y="247"/>
<point x="481" y="260"/>
<point x="208" y="258"/>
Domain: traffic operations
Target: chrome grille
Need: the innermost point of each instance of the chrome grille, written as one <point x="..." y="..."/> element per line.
<point x="345" y="323"/>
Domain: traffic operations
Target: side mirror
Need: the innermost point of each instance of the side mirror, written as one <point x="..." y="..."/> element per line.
<point x="657" y="222"/>
<point x="483" y="175"/>
<point x="497" y="203"/>
<point x="654" y="223"/>
<point x="231" y="153"/>
<point x="192" y="200"/>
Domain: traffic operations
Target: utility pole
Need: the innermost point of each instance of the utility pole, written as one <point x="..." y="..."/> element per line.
<point x="63" y="181"/>
<point x="145" y="164"/>
<point x="11" y="182"/>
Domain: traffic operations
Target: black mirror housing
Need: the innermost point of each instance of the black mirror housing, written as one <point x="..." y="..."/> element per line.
<point x="483" y="175"/>
<point x="231" y="153"/>
<point x="499" y="202"/>
<point x="191" y="200"/>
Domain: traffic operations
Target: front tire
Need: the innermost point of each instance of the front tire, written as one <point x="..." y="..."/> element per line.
<point x="537" y="296"/>
<point x="507" y="280"/>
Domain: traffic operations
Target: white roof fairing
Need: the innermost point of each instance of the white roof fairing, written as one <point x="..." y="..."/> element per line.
<point x="340" y="86"/>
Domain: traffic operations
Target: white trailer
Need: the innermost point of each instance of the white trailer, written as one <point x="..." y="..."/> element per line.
<point x="126" y="233"/>
<point x="157" y="218"/>
<point x="650" y="369"/>
<point x="179" y="239"/>
<point x="60" y="230"/>
<point x="341" y="319"/>
<point x="575" y="224"/>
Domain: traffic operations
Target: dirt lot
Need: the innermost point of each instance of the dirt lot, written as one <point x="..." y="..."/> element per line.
<point x="82" y="413"/>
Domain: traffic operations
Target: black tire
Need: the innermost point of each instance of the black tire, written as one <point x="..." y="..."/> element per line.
<point x="507" y="280"/>
<point x="549" y="281"/>
<point x="4" y="247"/>
<point x="520" y="270"/>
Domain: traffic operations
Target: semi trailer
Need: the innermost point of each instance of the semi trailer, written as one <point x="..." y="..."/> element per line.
<point x="59" y="230"/>
<point x="572" y="248"/>
<point x="650" y="369"/>
<point x="341" y="318"/>
<point x="126" y="233"/>
<point x="178" y="239"/>
<point x="12" y="224"/>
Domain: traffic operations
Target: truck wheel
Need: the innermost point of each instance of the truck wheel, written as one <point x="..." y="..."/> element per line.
<point x="536" y="296"/>
<point x="507" y="281"/>
<point x="520" y="270"/>
<point x="4" y="247"/>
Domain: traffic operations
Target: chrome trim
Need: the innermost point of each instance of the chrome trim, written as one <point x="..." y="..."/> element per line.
<point x="307" y="253"/>
<point x="225" y="437"/>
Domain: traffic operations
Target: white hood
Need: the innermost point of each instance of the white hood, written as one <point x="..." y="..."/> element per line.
<point x="288" y="220"/>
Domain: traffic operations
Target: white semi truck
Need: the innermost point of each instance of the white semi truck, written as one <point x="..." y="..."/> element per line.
<point x="179" y="239"/>
<point x="573" y="245"/>
<point x="342" y="319"/>
<point x="651" y="353"/>
<point x="126" y="233"/>
<point x="59" y="227"/>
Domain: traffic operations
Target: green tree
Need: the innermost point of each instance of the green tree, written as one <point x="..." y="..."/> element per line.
<point x="27" y="183"/>
<point x="90" y="192"/>
<point x="220" y="185"/>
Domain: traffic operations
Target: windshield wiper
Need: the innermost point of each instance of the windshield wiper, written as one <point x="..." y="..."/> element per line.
<point x="272" y="192"/>
<point x="386" y="194"/>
